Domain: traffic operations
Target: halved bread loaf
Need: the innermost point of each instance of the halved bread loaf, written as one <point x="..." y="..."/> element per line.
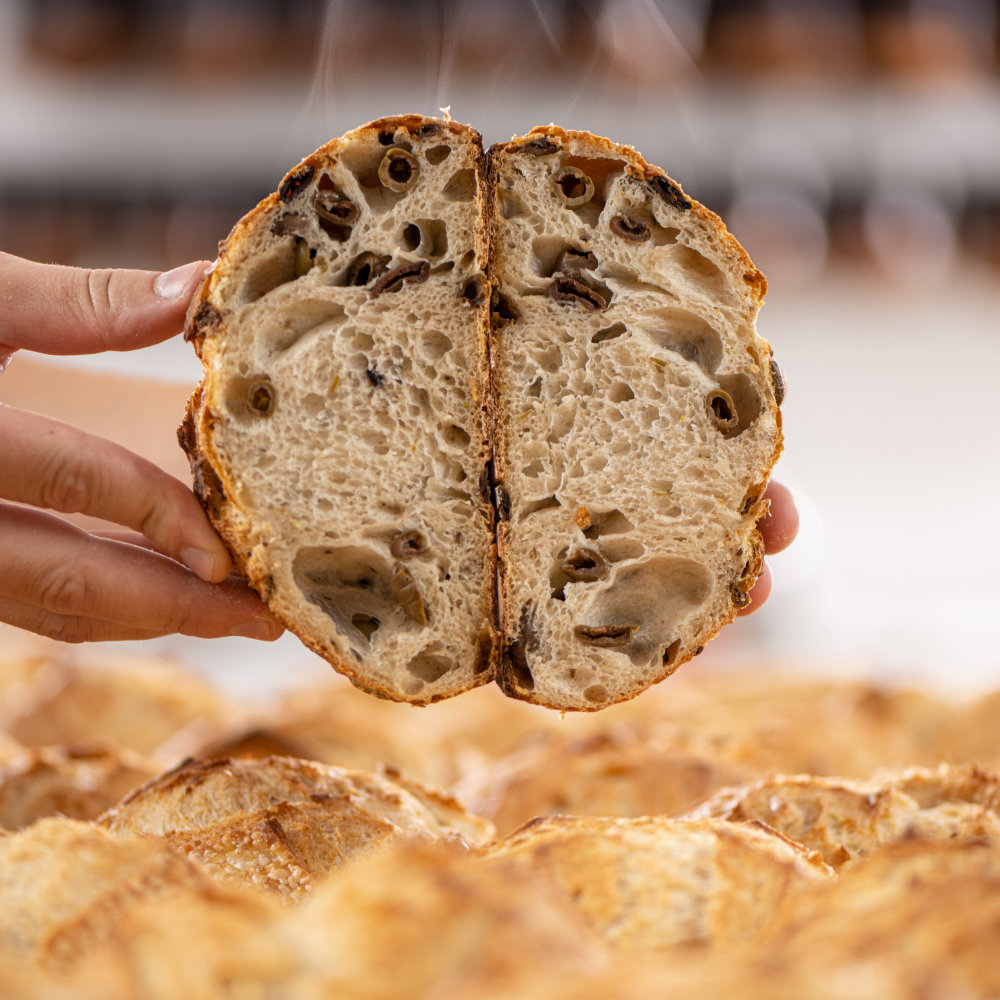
<point x="637" y="419"/>
<point x="340" y="432"/>
<point x="415" y="362"/>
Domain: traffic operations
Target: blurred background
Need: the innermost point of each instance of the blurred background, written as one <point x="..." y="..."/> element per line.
<point x="853" y="146"/>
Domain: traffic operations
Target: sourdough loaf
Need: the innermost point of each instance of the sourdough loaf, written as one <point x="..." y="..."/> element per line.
<point x="281" y="824"/>
<point x="468" y="419"/>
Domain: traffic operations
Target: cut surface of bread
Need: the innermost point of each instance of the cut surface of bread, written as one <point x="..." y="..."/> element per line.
<point x="637" y="417"/>
<point x="340" y="427"/>
<point x="472" y="418"/>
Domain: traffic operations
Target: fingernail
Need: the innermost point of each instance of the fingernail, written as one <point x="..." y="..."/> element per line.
<point x="173" y="284"/>
<point x="258" y="628"/>
<point x="199" y="562"/>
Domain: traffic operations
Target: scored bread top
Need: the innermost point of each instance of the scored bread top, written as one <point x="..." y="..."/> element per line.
<point x="464" y="422"/>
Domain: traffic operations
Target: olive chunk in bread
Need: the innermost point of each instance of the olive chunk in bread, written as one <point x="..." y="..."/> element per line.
<point x="472" y="418"/>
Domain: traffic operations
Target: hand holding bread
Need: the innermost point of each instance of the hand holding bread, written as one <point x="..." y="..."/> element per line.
<point x="169" y="572"/>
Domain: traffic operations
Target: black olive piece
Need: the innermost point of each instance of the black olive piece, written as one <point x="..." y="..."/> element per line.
<point x="335" y="208"/>
<point x="633" y="230"/>
<point x="741" y="598"/>
<point x="429" y="128"/>
<point x="205" y="323"/>
<point x="486" y="484"/>
<point x="294" y="182"/>
<point x="669" y="192"/>
<point x="609" y="333"/>
<point x="364" y="268"/>
<point x="260" y="397"/>
<point x="374" y="376"/>
<point x="574" y="186"/>
<point x="722" y="410"/>
<point x="542" y="146"/>
<point x="605" y="636"/>
<point x="566" y="289"/>
<point x="502" y="502"/>
<point x="392" y="281"/>
<point x="408" y="544"/>
<point x="585" y="565"/>
<point x="778" y="382"/>
<point x="387" y="136"/>
<point x="399" y="170"/>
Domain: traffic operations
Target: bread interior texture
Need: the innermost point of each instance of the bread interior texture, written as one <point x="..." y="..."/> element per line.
<point x="469" y="419"/>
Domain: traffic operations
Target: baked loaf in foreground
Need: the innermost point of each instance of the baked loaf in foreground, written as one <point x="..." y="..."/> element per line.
<point x="472" y="418"/>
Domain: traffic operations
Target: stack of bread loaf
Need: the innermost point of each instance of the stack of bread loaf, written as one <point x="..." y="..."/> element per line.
<point x="724" y="834"/>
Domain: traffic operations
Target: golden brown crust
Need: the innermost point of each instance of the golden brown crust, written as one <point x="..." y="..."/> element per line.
<point x="654" y="882"/>
<point x="282" y="824"/>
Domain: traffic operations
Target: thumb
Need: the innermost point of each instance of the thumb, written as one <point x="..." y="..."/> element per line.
<point x="54" y="309"/>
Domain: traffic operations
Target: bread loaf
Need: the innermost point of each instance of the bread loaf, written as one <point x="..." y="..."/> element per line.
<point x="464" y="422"/>
<point x="281" y="824"/>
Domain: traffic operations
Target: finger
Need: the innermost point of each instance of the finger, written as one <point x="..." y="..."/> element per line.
<point x="55" y="309"/>
<point x="780" y="524"/>
<point x="759" y="592"/>
<point x="66" y="628"/>
<point x="60" y="569"/>
<point x="49" y="464"/>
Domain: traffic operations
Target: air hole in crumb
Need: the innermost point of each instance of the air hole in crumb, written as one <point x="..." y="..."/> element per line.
<point x="670" y="653"/>
<point x="620" y="392"/>
<point x="411" y="236"/>
<point x="437" y="154"/>
<point x="461" y="186"/>
<point x="435" y="344"/>
<point x="429" y="667"/>
<point x="700" y="271"/>
<point x="367" y="625"/>
<point x="456" y="437"/>
<point x="609" y="333"/>
<point x="474" y="291"/>
<point x="535" y="389"/>
<point x="611" y="522"/>
<point x="535" y="506"/>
